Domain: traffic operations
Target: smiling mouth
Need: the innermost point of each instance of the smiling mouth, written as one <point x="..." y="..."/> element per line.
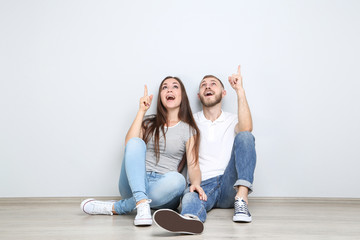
<point x="170" y="98"/>
<point x="208" y="94"/>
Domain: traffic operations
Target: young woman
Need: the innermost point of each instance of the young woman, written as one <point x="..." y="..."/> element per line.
<point x="155" y="145"/>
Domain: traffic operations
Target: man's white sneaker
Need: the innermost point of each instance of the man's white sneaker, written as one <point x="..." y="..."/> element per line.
<point x="92" y="206"/>
<point x="143" y="216"/>
<point x="242" y="213"/>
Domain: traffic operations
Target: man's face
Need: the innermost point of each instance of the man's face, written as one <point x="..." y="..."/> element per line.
<point x="210" y="92"/>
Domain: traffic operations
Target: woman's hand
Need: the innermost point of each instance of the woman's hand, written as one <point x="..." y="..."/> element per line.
<point x="146" y="100"/>
<point x="200" y="191"/>
<point x="135" y="129"/>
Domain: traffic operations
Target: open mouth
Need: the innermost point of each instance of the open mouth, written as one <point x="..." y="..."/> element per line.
<point x="170" y="97"/>
<point x="208" y="93"/>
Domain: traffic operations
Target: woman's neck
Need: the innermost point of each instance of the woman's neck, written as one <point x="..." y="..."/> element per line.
<point x="172" y="117"/>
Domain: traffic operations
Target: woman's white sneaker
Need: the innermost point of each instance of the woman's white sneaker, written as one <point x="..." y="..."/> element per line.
<point x="143" y="216"/>
<point x="94" y="207"/>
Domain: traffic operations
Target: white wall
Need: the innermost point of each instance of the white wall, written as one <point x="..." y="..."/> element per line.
<point x="72" y="72"/>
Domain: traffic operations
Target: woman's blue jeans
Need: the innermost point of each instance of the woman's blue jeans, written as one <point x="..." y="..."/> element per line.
<point x="136" y="184"/>
<point x="221" y="190"/>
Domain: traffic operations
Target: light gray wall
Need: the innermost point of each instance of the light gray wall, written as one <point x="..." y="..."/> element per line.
<point x="72" y="72"/>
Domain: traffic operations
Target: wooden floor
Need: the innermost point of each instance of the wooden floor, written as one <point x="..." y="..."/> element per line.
<point x="61" y="218"/>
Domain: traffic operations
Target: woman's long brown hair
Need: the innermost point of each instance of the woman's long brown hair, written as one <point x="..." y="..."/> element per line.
<point x="153" y="125"/>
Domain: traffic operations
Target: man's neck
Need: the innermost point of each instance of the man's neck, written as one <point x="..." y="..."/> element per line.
<point x="212" y="113"/>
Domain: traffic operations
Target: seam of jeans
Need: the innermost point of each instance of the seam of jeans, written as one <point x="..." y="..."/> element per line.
<point x="202" y="209"/>
<point x="213" y="189"/>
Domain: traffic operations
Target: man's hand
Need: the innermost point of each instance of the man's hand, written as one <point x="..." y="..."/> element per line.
<point x="235" y="80"/>
<point x="200" y="191"/>
<point x="146" y="100"/>
<point x="244" y="115"/>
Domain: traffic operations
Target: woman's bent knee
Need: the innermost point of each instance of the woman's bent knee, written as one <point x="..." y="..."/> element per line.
<point x="135" y="143"/>
<point x="176" y="180"/>
<point x="171" y="187"/>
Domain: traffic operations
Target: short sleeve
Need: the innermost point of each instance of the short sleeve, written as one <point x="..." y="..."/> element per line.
<point x="188" y="132"/>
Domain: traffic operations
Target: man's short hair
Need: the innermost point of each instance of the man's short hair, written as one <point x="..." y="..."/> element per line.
<point x="212" y="76"/>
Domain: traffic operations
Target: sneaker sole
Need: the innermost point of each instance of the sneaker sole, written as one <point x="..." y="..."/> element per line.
<point x="244" y="219"/>
<point x="143" y="222"/>
<point x="174" y="222"/>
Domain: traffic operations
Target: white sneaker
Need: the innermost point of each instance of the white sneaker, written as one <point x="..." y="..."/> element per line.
<point x="143" y="216"/>
<point x="92" y="206"/>
<point x="242" y="213"/>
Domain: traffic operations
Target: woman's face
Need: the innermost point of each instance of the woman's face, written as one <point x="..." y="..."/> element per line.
<point x="170" y="93"/>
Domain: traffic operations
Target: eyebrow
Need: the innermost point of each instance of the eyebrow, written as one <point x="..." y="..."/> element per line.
<point x="172" y="83"/>
<point x="212" y="80"/>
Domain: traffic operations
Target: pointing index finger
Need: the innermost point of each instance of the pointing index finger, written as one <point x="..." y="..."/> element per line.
<point x="145" y="91"/>
<point x="239" y="69"/>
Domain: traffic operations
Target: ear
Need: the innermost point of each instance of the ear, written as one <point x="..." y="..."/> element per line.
<point x="198" y="95"/>
<point x="223" y="93"/>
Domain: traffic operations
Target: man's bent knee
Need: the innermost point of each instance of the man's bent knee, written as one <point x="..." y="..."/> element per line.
<point x="244" y="138"/>
<point x="190" y="197"/>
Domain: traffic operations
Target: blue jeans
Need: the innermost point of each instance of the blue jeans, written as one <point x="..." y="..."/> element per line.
<point x="136" y="183"/>
<point x="221" y="190"/>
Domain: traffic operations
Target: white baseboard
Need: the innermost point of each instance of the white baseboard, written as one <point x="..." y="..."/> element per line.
<point x="20" y="200"/>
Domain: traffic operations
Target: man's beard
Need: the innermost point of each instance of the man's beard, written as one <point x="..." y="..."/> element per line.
<point x="211" y="103"/>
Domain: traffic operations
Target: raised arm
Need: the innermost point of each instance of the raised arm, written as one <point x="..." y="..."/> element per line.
<point x="194" y="170"/>
<point x="135" y="129"/>
<point x="244" y="114"/>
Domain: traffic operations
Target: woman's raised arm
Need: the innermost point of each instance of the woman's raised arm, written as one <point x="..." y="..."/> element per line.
<point x="135" y="129"/>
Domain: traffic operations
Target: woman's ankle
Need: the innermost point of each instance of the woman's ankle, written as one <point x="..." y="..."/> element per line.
<point x="141" y="201"/>
<point x="113" y="210"/>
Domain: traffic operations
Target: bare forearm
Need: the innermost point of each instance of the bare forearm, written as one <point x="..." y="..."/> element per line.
<point x="195" y="179"/>
<point x="244" y="114"/>
<point x="194" y="175"/>
<point x="135" y="129"/>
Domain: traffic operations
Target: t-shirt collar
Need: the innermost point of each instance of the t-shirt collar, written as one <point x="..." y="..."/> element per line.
<point x="221" y="118"/>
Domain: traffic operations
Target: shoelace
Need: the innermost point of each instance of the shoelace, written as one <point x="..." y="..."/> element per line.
<point x="143" y="209"/>
<point x="241" y="206"/>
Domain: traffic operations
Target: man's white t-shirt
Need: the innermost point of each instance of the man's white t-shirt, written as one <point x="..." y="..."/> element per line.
<point x="216" y="143"/>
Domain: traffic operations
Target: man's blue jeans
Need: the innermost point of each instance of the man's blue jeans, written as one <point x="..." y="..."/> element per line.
<point x="136" y="184"/>
<point x="221" y="190"/>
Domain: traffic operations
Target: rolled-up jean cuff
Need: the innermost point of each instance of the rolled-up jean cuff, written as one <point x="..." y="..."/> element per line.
<point x="138" y="196"/>
<point x="243" y="183"/>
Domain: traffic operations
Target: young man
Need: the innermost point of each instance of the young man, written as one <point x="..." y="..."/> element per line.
<point x="227" y="160"/>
